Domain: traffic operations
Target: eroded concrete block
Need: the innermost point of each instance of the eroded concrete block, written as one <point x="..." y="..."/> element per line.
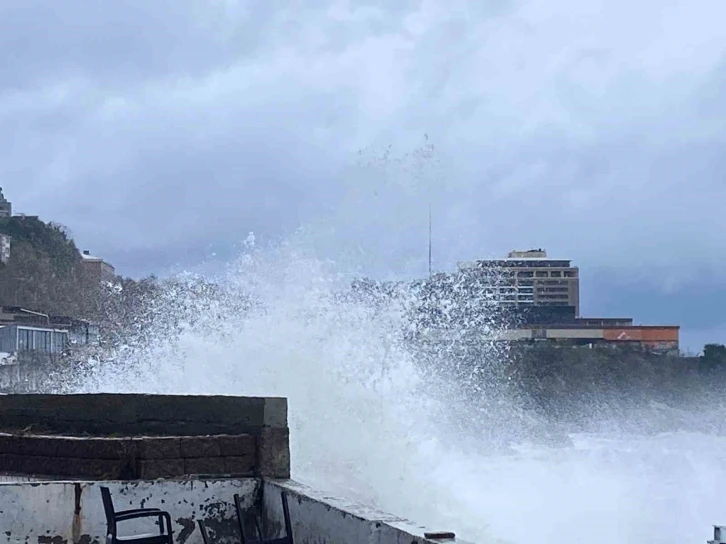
<point x="273" y="453"/>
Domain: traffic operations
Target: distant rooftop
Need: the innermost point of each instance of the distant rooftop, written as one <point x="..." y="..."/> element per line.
<point x="86" y="255"/>
<point x="528" y="254"/>
<point x="516" y="258"/>
<point x="94" y="261"/>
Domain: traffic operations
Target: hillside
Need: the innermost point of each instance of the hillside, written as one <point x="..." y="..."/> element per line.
<point x="45" y="273"/>
<point x="44" y="270"/>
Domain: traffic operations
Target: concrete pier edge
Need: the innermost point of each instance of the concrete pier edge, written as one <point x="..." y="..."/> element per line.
<point x="57" y="450"/>
<point x="317" y="517"/>
<point x="382" y="526"/>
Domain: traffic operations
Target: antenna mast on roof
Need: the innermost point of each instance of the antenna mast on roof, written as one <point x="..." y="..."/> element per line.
<point x="430" y="266"/>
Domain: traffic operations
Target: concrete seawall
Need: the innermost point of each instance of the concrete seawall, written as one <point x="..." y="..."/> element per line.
<point x="188" y="455"/>
<point x="319" y="518"/>
<point x="47" y="512"/>
<point x="107" y="437"/>
<point x="133" y="415"/>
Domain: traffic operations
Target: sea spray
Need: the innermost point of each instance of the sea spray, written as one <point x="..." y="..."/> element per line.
<point x="427" y="434"/>
<point x="435" y="430"/>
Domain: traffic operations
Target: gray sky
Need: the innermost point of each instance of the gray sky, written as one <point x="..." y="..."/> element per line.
<point x="163" y="132"/>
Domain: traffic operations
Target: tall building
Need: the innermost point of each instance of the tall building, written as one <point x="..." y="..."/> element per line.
<point x="4" y="248"/>
<point x="97" y="269"/>
<point x="6" y="207"/>
<point x="528" y="279"/>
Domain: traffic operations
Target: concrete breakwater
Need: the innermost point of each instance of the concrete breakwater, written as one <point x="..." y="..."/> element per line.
<point x="216" y="447"/>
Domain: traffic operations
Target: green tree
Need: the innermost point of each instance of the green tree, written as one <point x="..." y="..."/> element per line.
<point x="713" y="359"/>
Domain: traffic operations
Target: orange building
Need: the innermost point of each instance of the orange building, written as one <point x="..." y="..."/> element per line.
<point x="651" y="337"/>
<point x="661" y="338"/>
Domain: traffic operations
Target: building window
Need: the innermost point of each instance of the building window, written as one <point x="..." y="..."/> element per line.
<point x="553" y="290"/>
<point x="556" y="274"/>
<point x="553" y="296"/>
<point x="59" y="341"/>
<point x="553" y="282"/>
<point x="44" y="344"/>
<point x="24" y="340"/>
<point x="541" y="274"/>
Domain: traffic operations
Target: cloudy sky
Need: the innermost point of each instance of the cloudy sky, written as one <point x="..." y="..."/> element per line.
<point x="163" y="132"/>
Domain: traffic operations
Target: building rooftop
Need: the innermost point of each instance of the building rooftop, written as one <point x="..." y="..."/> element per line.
<point x="527" y="258"/>
<point x="86" y="256"/>
<point x="508" y="261"/>
<point x="528" y="254"/>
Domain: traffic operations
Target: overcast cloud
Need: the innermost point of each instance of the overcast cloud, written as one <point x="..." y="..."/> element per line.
<point x="163" y="132"/>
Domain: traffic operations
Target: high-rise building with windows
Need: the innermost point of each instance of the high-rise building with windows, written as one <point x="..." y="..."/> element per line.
<point x="528" y="278"/>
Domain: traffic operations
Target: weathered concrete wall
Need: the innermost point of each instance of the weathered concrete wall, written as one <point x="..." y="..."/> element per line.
<point x="131" y="458"/>
<point x="72" y="512"/>
<point x="318" y="518"/>
<point x="230" y="436"/>
<point x="133" y="414"/>
<point x="21" y="377"/>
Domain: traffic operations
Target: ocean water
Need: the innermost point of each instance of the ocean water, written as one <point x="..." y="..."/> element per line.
<point x="370" y="422"/>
